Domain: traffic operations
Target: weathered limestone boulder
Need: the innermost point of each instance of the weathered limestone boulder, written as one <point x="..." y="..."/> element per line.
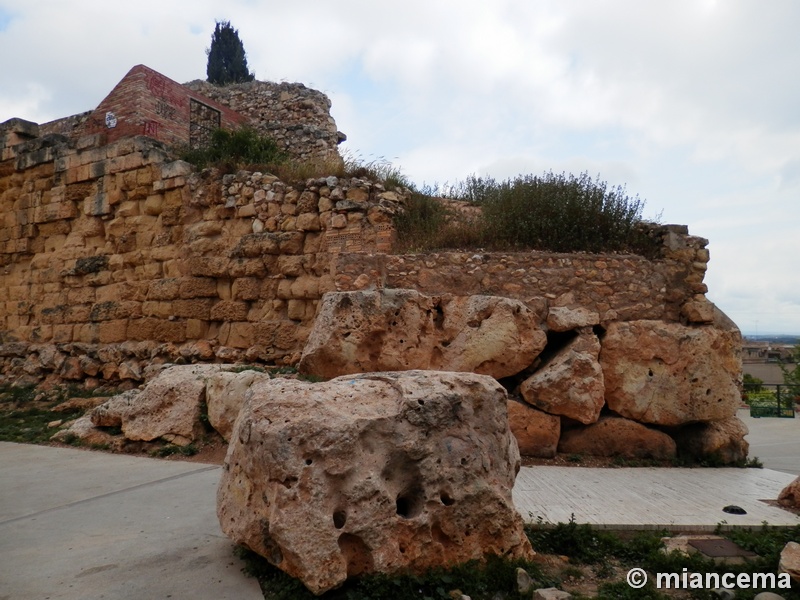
<point x="112" y="412"/>
<point x="224" y="398"/>
<point x="571" y="383"/>
<point x="723" y="440"/>
<point x="615" y="436"/>
<point x="536" y="432"/>
<point x="790" y="561"/>
<point x="399" y="330"/>
<point x="671" y="374"/>
<point x="563" y="318"/>
<point x="168" y="407"/>
<point x="790" y="495"/>
<point x="378" y="472"/>
<point x="84" y="430"/>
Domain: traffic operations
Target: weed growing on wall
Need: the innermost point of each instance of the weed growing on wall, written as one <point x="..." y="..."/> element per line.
<point x="560" y="213"/>
<point x="556" y="213"/>
<point x="229" y="150"/>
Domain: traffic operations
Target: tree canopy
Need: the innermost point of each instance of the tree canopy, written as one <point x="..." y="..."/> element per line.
<point x="227" y="60"/>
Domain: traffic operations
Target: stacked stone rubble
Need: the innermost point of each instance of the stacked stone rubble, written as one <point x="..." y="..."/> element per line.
<point x="297" y="117"/>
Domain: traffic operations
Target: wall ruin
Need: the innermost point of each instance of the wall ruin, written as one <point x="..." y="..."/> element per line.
<point x="296" y="117"/>
<point x="116" y="255"/>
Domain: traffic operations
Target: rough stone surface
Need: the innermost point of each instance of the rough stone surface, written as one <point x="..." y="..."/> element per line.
<point x="571" y="383"/>
<point x="551" y="594"/>
<point x="536" y="432"/>
<point x="562" y="318"/>
<point x="85" y="430"/>
<point x="790" y="561"/>
<point x="790" y="495"/>
<point x="167" y="407"/>
<point x="615" y="436"/>
<point x="225" y="393"/>
<point x="723" y="440"/>
<point x="112" y="412"/>
<point x="376" y="472"/>
<point x="392" y="330"/>
<point x="671" y="374"/>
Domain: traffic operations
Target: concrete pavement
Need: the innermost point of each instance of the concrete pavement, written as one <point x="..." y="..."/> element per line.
<point x="776" y="442"/>
<point x="76" y="524"/>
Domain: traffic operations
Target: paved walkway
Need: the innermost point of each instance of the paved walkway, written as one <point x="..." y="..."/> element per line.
<point x="776" y="442"/>
<point x="647" y="498"/>
<point x="76" y="524"/>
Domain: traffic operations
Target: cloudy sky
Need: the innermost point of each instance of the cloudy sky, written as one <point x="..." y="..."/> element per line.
<point x="694" y="105"/>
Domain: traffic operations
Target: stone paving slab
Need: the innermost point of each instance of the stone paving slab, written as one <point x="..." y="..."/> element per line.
<point x="76" y="524"/>
<point x="651" y="498"/>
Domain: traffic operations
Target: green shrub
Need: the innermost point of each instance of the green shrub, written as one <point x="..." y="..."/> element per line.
<point x="560" y="213"/>
<point x="427" y="224"/>
<point x="234" y="149"/>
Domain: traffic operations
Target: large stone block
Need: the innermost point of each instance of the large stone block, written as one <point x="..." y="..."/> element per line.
<point x="790" y="495"/>
<point x="383" y="472"/>
<point x="536" y="432"/>
<point x="790" y="561"/>
<point x="167" y="407"/>
<point x="671" y="374"/>
<point x="571" y="382"/>
<point x="225" y="393"/>
<point x="402" y="330"/>
<point x="719" y="440"/>
<point x="615" y="436"/>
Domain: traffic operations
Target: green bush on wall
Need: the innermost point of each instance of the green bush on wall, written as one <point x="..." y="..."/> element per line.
<point x="244" y="146"/>
<point x="560" y="213"/>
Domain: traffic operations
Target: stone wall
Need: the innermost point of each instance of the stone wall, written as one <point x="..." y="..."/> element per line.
<point x="296" y="117"/>
<point x="114" y="256"/>
<point x="616" y="286"/>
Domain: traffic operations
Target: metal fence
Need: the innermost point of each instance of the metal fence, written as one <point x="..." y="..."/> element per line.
<point x="771" y="400"/>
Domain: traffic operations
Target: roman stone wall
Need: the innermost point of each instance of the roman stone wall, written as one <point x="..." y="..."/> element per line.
<point x="296" y="117"/>
<point x="116" y="256"/>
<point x="112" y="256"/>
<point x="616" y="286"/>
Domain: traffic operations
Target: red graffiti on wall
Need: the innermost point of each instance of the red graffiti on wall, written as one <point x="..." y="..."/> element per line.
<point x="161" y="87"/>
<point x="151" y="128"/>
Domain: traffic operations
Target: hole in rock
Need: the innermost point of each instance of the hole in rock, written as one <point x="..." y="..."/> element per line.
<point x="339" y="519"/>
<point x="463" y="461"/>
<point x="556" y="342"/>
<point x="438" y="317"/>
<point x="356" y="553"/>
<point x="440" y="536"/>
<point x="409" y="503"/>
<point x="309" y="462"/>
<point x="446" y="499"/>
<point x="650" y="372"/>
<point x="421" y="402"/>
<point x="289" y="482"/>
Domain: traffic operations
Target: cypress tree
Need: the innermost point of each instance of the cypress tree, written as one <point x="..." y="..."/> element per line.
<point x="227" y="62"/>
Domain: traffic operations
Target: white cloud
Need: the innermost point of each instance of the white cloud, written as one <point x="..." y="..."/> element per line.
<point x="692" y="103"/>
